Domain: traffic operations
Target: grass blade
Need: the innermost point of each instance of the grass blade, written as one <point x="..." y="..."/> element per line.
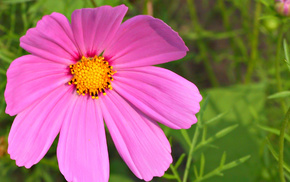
<point x="274" y="131"/>
<point x="202" y="163"/>
<point x="275" y="155"/>
<point x="219" y="134"/>
<point x="218" y="171"/>
<point x="216" y="118"/>
<point x="279" y="95"/>
<point x="286" y="50"/>
<point x="179" y="161"/>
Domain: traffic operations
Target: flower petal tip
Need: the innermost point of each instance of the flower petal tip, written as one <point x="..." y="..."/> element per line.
<point x="161" y="172"/>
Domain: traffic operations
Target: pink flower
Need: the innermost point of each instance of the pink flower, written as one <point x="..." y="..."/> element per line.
<point x="283" y="7"/>
<point x="98" y="68"/>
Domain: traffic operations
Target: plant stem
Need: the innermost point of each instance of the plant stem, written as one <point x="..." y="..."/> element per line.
<point x="281" y="145"/>
<point x="277" y="64"/>
<point x="254" y="43"/>
<point x="226" y="22"/>
<point x="201" y="44"/>
<point x="225" y="17"/>
<point x="94" y="3"/>
<point x="188" y="162"/>
<point x="175" y="173"/>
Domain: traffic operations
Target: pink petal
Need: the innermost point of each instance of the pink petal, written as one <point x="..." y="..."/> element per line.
<point x="93" y="29"/>
<point x="51" y="39"/>
<point x="34" y="129"/>
<point x="140" y="141"/>
<point x="161" y="94"/>
<point x="142" y="41"/>
<point x="30" y="78"/>
<point x="82" y="150"/>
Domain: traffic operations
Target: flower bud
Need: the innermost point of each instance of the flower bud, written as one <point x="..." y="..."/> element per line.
<point x="283" y="7"/>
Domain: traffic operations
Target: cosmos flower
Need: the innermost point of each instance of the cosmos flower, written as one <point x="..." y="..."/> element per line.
<point x="92" y="70"/>
<point x="283" y="7"/>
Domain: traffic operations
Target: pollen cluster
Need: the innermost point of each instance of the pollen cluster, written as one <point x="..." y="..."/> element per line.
<point x="92" y="76"/>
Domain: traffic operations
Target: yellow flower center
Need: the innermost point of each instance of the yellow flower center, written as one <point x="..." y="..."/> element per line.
<point x="91" y="76"/>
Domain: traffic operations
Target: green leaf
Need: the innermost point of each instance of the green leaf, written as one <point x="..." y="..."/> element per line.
<point x="219" y="134"/>
<point x="213" y="35"/>
<point x="237" y="101"/>
<point x="275" y="155"/>
<point x="5" y="58"/>
<point x="216" y="118"/>
<point x="202" y="108"/>
<point x="46" y="176"/>
<point x="236" y="162"/>
<point x="286" y="50"/>
<point x="202" y="163"/>
<point x="267" y="17"/>
<point x="179" y="161"/>
<point x="175" y="173"/>
<point x="218" y="171"/>
<point x="267" y="2"/>
<point x="226" y="131"/>
<point x="279" y="95"/>
<point x="195" y="172"/>
<point x="223" y="159"/>
<point x="204" y="132"/>
<point x="185" y="136"/>
<point x="168" y="176"/>
<point x="274" y="131"/>
<point x="49" y="162"/>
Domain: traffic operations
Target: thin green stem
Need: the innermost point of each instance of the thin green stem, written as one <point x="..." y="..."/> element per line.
<point x="281" y="145"/>
<point x="277" y="64"/>
<point x="94" y="3"/>
<point x="12" y="24"/>
<point x="254" y="43"/>
<point x="212" y="77"/>
<point x="24" y="16"/>
<point x="235" y="43"/>
<point x="183" y="132"/>
<point x="226" y="23"/>
<point x="193" y="16"/>
<point x="175" y="173"/>
<point x="201" y="44"/>
<point x="188" y="162"/>
<point x="225" y="17"/>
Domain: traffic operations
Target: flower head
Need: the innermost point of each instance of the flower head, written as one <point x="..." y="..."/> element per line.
<point x="283" y="7"/>
<point x="92" y="70"/>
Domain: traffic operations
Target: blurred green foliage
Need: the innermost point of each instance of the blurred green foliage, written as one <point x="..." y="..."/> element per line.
<point x="236" y="58"/>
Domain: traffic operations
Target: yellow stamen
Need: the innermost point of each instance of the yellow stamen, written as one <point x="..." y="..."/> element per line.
<point x="92" y="76"/>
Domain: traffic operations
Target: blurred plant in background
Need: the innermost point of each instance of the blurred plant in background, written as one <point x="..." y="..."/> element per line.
<point x="283" y="7"/>
<point x="239" y="58"/>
